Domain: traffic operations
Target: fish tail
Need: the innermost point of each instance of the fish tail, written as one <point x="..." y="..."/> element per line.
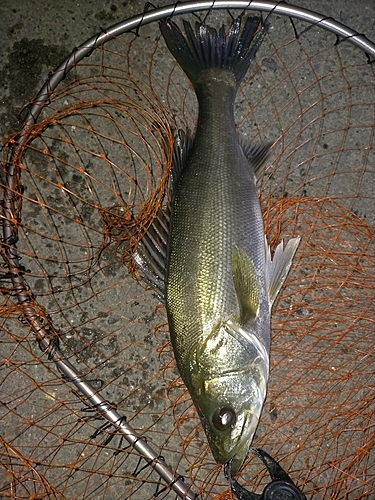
<point x="206" y="48"/>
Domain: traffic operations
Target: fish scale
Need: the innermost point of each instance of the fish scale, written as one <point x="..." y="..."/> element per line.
<point x="218" y="215"/>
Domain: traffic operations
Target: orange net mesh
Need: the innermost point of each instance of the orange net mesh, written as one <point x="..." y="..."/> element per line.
<point x="89" y="180"/>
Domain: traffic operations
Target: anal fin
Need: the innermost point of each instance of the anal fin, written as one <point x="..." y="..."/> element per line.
<point x="256" y="155"/>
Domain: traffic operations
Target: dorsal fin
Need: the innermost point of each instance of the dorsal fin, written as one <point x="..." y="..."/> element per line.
<point x="151" y="253"/>
<point x="181" y="149"/>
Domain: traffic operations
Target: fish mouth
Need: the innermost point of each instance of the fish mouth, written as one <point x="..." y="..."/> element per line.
<point x="234" y="458"/>
<point x="241" y="448"/>
<point x="238" y="457"/>
<point x="234" y="464"/>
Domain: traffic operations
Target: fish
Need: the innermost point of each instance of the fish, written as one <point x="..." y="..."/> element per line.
<point x="206" y="254"/>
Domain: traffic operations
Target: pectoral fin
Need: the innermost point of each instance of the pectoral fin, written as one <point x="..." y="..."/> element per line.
<point x="277" y="268"/>
<point x="246" y="285"/>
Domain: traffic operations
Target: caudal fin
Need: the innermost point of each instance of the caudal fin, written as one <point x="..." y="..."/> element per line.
<point x="206" y="48"/>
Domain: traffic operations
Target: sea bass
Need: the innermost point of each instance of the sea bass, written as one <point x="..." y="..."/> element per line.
<point x="207" y="256"/>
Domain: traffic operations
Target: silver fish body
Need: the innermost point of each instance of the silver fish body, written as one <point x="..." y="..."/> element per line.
<point x="216" y="226"/>
<point x="215" y="213"/>
<point x="220" y="281"/>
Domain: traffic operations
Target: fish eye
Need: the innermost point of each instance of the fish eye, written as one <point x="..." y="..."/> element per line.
<point x="223" y="418"/>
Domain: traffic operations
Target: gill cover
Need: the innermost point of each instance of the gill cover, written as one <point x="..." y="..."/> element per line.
<point x="229" y="377"/>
